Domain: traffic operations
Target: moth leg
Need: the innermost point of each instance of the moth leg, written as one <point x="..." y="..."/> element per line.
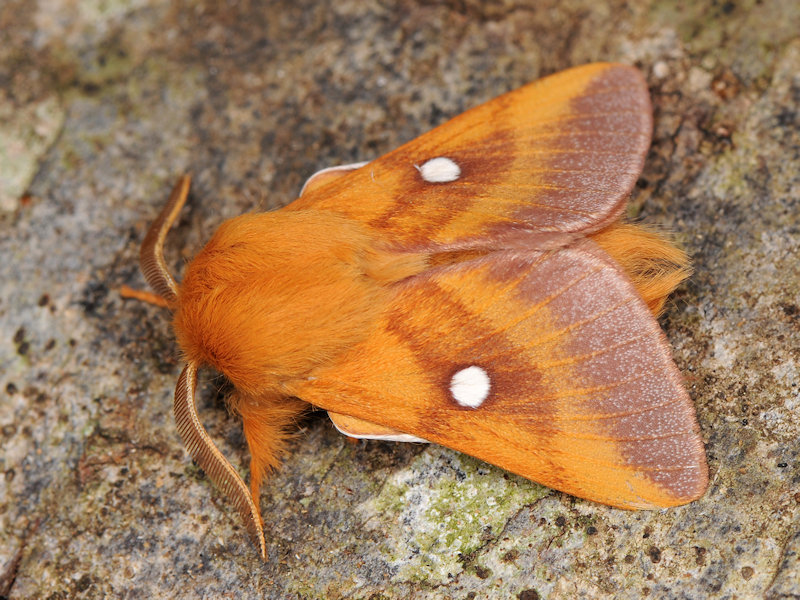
<point x="203" y="450"/>
<point x="143" y="296"/>
<point x="267" y="422"/>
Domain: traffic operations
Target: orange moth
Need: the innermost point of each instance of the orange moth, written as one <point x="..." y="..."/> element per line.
<point x="476" y="288"/>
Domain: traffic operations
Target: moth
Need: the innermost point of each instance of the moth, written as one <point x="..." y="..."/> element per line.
<point x="476" y="288"/>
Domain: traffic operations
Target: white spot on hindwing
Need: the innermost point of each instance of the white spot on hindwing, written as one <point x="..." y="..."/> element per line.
<point x="439" y="170"/>
<point x="470" y="387"/>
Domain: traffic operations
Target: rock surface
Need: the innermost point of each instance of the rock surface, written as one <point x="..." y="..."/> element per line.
<point x="103" y="104"/>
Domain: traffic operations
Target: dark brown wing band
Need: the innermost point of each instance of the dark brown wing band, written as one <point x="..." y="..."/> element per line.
<point x="207" y="455"/>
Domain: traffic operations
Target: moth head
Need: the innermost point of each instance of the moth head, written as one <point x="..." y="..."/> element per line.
<point x="194" y="436"/>
<point x="268" y="299"/>
<point x="272" y="296"/>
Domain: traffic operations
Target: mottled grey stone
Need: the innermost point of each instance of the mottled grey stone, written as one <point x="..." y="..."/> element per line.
<point x="104" y="104"/>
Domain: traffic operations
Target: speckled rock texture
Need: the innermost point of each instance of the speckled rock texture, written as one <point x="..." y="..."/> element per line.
<point x="104" y="103"/>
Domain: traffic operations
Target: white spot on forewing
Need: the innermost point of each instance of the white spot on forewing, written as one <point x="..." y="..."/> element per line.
<point x="470" y="386"/>
<point x="440" y="170"/>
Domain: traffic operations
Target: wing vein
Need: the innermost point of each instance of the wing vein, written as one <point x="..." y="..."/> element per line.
<point x="585" y="357"/>
<point x="532" y="310"/>
<point x="579" y="324"/>
<point x="615" y="438"/>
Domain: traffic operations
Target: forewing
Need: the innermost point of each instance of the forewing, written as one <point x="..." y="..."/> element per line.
<point x="538" y="166"/>
<point x="547" y="364"/>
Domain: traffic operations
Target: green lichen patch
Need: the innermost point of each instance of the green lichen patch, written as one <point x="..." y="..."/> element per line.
<point x="717" y="32"/>
<point x="444" y="507"/>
